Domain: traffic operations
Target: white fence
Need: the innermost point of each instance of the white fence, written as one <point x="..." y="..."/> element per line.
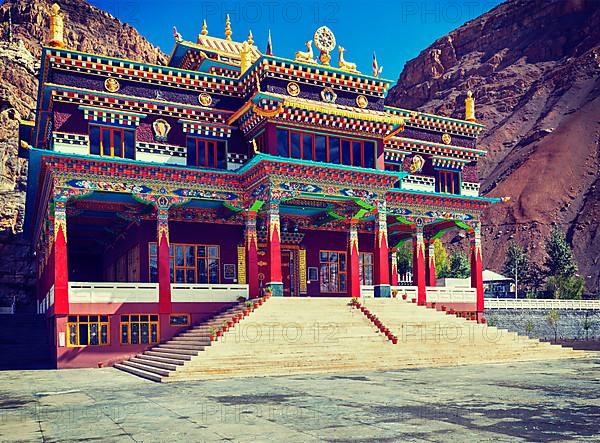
<point x="367" y="291"/>
<point x="207" y="292"/>
<point x="113" y="292"/>
<point x="410" y="291"/>
<point x="526" y="303"/>
<point x="451" y="294"/>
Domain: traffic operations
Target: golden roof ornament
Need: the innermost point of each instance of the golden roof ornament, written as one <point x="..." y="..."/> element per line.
<point x="250" y="38"/>
<point x="325" y="42"/>
<point x="306" y="56"/>
<point x="204" y="30"/>
<point x="470" y="107"/>
<point x="56" y="35"/>
<point x="345" y="65"/>
<point x="228" y="30"/>
<point x="245" y="57"/>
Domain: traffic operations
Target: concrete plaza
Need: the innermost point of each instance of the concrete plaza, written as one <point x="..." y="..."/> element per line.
<point x="534" y="401"/>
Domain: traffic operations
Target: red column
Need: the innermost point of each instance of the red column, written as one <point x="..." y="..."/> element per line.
<point x="382" y="267"/>
<point x="61" y="266"/>
<point x="164" y="266"/>
<point x="394" y="267"/>
<point x="430" y="273"/>
<point x="252" y="255"/>
<point x="477" y="269"/>
<point x="275" y="280"/>
<point x="353" y="279"/>
<point x="419" y="266"/>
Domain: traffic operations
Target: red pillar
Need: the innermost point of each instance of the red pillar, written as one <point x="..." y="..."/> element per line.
<point x="275" y="280"/>
<point x="394" y="267"/>
<point x="430" y="273"/>
<point x="61" y="266"/>
<point x="252" y="255"/>
<point x="353" y="279"/>
<point x="477" y="269"/>
<point x="381" y="254"/>
<point x="419" y="266"/>
<point x="164" y="266"/>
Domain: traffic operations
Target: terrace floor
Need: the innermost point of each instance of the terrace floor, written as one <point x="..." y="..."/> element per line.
<point x="540" y="401"/>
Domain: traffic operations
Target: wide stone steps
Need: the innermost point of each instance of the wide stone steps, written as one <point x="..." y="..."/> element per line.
<point x="324" y="335"/>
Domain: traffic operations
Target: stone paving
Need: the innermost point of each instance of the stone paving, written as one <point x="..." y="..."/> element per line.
<point x="539" y="401"/>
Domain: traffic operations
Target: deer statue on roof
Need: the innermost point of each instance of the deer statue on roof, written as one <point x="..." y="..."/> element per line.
<point x="308" y="56"/>
<point x="343" y="64"/>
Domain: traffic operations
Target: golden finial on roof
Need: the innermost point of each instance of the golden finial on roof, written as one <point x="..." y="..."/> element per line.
<point x="470" y="107"/>
<point x="204" y="28"/>
<point x="228" y="31"/>
<point x="245" y="61"/>
<point x="250" y="38"/>
<point x="56" y="35"/>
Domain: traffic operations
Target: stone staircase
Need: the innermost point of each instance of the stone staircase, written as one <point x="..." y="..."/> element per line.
<point x="325" y="335"/>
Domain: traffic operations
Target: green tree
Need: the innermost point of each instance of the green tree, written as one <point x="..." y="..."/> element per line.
<point x="553" y="318"/>
<point x="560" y="260"/>
<point x="587" y="325"/>
<point x="516" y="265"/>
<point x="441" y="258"/>
<point x="459" y="266"/>
<point x="566" y="288"/>
<point x="404" y="256"/>
<point x="529" y="327"/>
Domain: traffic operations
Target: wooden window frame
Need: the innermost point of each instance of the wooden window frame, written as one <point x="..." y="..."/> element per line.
<point x="339" y="272"/>
<point x="363" y="266"/>
<point x="210" y="144"/>
<point x="449" y="182"/>
<point x="77" y="322"/>
<point x="174" y="267"/>
<point x="139" y="322"/>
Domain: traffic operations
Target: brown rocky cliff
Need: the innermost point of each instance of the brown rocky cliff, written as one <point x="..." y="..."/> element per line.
<point x="534" y="67"/>
<point x="87" y="29"/>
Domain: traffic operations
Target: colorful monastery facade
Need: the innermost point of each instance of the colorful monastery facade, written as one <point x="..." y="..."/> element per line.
<point x="160" y="194"/>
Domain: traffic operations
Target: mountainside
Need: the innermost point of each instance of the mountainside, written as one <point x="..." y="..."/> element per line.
<point x="87" y="29"/>
<point x="534" y="68"/>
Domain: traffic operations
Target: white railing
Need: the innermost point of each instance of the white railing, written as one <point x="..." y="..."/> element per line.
<point x="418" y="183"/>
<point x="410" y="291"/>
<point x="113" y="292"/>
<point x="367" y="291"/>
<point x="526" y="303"/>
<point x="207" y="292"/>
<point x="470" y="189"/>
<point x="455" y="294"/>
<point x="45" y="303"/>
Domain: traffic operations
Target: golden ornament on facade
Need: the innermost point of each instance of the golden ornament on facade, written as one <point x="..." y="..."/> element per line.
<point x="205" y="99"/>
<point x="345" y="65"/>
<point x="56" y="34"/>
<point x="112" y="84"/>
<point x="293" y="89"/>
<point x="417" y="164"/>
<point x="470" y="107"/>
<point x="161" y="130"/>
<point x="328" y="95"/>
<point x="447" y="139"/>
<point x="362" y="101"/>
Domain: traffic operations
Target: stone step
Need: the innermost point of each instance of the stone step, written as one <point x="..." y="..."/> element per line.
<point x="143" y="367"/>
<point x="144" y="360"/>
<point x="139" y="372"/>
<point x="172" y="356"/>
<point x="189" y="340"/>
<point x="171" y="361"/>
<point x="170" y="350"/>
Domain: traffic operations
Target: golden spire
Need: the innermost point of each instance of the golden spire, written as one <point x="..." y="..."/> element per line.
<point x="250" y="38"/>
<point x="204" y="28"/>
<point x="228" y="31"/>
<point x="245" y="61"/>
<point x="56" y="35"/>
<point x="470" y="107"/>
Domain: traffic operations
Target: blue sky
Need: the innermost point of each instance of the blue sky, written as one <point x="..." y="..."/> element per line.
<point x="396" y="30"/>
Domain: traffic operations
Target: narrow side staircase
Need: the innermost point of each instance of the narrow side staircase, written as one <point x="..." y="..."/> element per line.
<point x="163" y="360"/>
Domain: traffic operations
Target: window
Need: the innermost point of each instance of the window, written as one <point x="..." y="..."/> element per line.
<point x="333" y="271"/>
<point x="87" y="330"/>
<point x="139" y="329"/>
<point x="205" y="152"/>
<point x="365" y="269"/>
<point x="189" y="263"/>
<point x="112" y="141"/>
<point x="447" y="182"/>
<point x="324" y="148"/>
<point x="179" y="319"/>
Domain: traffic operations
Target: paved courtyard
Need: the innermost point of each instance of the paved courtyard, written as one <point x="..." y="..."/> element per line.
<point x="541" y="401"/>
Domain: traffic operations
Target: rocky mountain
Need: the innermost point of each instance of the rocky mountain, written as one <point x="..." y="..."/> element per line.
<point x="534" y="68"/>
<point x="88" y="29"/>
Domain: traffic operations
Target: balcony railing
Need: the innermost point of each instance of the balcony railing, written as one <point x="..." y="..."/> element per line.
<point x="525" y="303"/>
<point x="113" y="292"/>
<point x="207" y="292"/>
<point x="418" y="183"/>
<point x="469" y="189"/>
<point x="456" y="294"/>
